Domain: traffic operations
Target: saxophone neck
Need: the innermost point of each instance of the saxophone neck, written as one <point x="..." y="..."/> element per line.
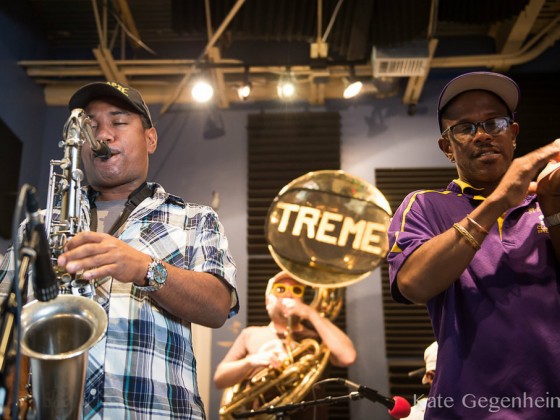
<point x="78" y="127"/>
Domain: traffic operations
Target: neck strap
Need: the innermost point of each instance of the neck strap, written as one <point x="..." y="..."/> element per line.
<point x="134" y="199"/>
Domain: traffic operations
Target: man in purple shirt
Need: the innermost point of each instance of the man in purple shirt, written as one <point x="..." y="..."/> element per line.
<point x="482" y="255"/>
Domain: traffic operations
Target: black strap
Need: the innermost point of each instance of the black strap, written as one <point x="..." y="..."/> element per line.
<point x="134" y="199"/>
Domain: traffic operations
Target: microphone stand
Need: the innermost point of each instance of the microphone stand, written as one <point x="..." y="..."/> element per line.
<point x="8" y="313"/>
<point x="281" y="410"/>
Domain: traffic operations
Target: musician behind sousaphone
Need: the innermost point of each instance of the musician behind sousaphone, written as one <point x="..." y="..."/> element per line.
<point x="260" y="347"/>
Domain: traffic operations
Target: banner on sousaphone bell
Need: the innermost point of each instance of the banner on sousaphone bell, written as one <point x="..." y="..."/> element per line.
<point x="328" y="228"/>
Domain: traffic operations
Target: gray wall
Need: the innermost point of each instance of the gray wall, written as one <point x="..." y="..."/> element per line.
<point x="22" y="107"/>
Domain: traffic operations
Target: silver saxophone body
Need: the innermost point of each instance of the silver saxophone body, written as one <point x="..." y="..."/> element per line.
<point x="57" y="334"/>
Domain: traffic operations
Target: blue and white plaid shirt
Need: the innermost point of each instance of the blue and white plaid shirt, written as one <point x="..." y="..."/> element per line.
<point x="144" y="367"/>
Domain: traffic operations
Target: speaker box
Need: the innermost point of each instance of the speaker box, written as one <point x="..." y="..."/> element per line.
<point x="10" y="161"/>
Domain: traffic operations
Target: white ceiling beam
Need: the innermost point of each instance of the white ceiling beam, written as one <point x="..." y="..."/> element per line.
<point x="108" y="66"/>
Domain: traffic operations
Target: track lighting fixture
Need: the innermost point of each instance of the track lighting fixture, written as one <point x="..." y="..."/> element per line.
<point x="202" y="91"/>
<point x="245" y="89"/>
<point x="286" y="88"/>
<point x="353" y="85"/>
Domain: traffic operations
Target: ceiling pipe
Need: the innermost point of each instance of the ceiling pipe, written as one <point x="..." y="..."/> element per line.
<point x="46" y="68"/>
<point x="331" y="21"/>
<point x="524" y="55"/>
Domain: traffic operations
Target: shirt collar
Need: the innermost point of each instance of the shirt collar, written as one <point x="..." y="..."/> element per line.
<point x="462" y="187"/>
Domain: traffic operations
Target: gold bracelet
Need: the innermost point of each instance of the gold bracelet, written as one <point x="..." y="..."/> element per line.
<point x="478" y="226"/>
<point x="467" y="235"/>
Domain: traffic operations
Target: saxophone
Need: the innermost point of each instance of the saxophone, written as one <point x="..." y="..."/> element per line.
<point x="66" y="198"/>
<point x="57" y="334"/>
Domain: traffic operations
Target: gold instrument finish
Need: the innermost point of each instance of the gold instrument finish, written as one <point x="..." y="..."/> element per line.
<point x="328" y="229"/>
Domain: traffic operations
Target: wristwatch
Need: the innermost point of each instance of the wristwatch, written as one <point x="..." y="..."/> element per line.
<point x="156" y="276"/>
<point x="552" y="220"/>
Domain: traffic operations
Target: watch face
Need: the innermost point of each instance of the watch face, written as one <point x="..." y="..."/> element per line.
<point x="160" y="273"/>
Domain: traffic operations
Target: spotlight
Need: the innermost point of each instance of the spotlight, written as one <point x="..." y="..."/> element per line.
<point x="245" y="89"/>
<point x="286" y="88"/>
<point x="353" y="87"/>
<point x="202" y="91"/>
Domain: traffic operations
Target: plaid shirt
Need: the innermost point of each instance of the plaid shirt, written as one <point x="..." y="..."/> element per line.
<point x="144" y="367"/>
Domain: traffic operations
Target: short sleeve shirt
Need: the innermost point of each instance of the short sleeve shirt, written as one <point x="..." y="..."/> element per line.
<point x="498" y="325"/>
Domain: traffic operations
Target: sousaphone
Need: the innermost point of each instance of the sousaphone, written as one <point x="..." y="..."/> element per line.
<point x="328" y="229"/>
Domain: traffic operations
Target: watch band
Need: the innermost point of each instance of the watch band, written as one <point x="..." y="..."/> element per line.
<point x="147" y="288"/>
<point x="552" y="220"/>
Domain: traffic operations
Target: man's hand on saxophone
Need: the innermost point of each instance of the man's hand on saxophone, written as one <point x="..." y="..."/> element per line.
<point x="98" y="255"/>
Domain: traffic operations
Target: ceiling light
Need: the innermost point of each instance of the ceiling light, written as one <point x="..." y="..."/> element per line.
<point x="286" y="88"/>
<point x="245" y="89"/>
<point x="202" y="91"/>
<point x="353" y="89"/>
<point x="353" y="85"/>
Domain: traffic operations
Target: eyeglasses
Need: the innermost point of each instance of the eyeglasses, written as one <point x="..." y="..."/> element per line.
<point x="280" y="289"/>
<point x="464" y="132"/>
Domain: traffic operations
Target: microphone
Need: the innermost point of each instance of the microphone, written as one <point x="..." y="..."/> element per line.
<point x="398" y="406"/>
<point x="45" y="282"/>
<point x="417" y="372"/>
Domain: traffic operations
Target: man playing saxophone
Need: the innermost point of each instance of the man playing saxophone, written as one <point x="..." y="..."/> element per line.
<point x="157" y="263"/>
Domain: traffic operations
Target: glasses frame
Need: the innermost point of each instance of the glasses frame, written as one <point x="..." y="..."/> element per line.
<point x="288" y="287"/>
<point x="449" y="130"/>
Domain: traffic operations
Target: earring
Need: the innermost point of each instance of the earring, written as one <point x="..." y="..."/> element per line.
<point x="514" y="145"/>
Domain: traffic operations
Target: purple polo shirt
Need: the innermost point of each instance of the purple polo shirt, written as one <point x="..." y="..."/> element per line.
<point x="498" y="325"/>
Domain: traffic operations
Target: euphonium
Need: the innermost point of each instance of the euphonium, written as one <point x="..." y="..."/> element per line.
<point x="328" y="230"/>
<point x="57" y="334"/>
<point x="293" y="380"/>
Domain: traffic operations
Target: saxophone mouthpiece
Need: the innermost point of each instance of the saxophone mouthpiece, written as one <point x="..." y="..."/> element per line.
<point x="103" y="151"/>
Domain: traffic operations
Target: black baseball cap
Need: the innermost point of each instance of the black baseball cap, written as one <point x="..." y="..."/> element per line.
<point x="497" y="83"/>
<point x="91" y="91"/>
